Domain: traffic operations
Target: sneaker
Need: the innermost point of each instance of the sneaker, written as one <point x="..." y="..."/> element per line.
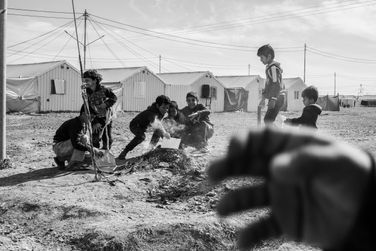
<point x="60" y="163"/>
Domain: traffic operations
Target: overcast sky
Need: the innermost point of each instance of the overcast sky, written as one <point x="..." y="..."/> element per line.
<point x="217" y="35"/>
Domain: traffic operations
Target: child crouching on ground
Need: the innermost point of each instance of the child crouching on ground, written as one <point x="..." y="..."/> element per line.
<point x="198" y="126"/>
<point x="311" y="110"/>
<point x="145" y="119"/>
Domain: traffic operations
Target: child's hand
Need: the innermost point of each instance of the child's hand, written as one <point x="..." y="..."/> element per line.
<point x="102" y="106"/>
<point x="262" y="102"/>
<point x="314" y="185"/>
<point x="98" y="153"/>
<point x="271" y="103"/>
<point x="96" y="127"/>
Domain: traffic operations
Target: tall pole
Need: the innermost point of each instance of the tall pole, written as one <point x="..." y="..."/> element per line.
<point x="249" y="69"/>
<point x="305" y="61"/>
<point x="85" y="19"/>
<point x="3" y="7"/>
<point x="160" y="62"/>
<point x="335" y="84"/>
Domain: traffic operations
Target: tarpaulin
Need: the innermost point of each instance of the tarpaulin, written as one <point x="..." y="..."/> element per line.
<point x="236" y="100"/>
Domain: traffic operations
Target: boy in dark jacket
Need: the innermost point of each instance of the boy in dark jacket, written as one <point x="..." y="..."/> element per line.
<point x="273" y="84"/>
<point x="145" y="119"/>
<point x="198" y="126"/>
<point x="311" y="110"/>
<point x="173" y="123"/>
<point x="101" y="99"/>
<point x="70" y="142"/>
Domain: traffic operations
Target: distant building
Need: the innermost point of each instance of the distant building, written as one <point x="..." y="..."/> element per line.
<point x="209" y="89"/>
<point x="136" y="87"/>
<point x="347" y="100"/>
<point x="294" y="88"/>
<point x="43" y="87"/>
<point x="237" y="88"/>
<point x="367" y="100"/>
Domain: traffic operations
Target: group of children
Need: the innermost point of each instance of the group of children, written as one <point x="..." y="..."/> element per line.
<point x="274" y="92"/>
<point x="191" y="124"/>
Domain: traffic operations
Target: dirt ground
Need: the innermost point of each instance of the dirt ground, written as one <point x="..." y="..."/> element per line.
<point x="167" y="206"/>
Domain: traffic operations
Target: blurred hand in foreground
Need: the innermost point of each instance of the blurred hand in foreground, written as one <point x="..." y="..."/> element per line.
<point x="314" y="186"/>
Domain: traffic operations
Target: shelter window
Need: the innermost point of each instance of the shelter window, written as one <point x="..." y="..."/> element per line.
<point x="213" y="92"/>
<point x="139" y="90"/>
<point x="58" y="86"/>
<point x="296" y="95"/>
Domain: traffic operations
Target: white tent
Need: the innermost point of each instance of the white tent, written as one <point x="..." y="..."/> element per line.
<point x="55" y="86"/>
<point x="22" y="95"/>
<point x="253" y="84"/>
<point x="135" y="87"/>
<point x="209" y="89"/>
<point x="294" y="88"/>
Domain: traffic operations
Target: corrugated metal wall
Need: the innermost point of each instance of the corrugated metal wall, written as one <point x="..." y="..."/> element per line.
<point x="217" y="104"/>
<point x="71" y="100"/>
<point x="178" y="93"/>
<point x="154" y="88"/>
<point x="254" y="94"/>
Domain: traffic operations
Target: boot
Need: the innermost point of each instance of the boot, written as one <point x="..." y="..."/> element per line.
<point x="122" y="155"/>
<point x="60" y="163"/>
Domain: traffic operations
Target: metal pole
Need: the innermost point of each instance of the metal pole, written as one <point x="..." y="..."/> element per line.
<point x="249" y="69"/>
<point x="160" y="62"/>
<point x="305" y="59"/>
<point x="3" y="6"/>
<point x="85" y="19"/>
<point x="335" y="84"/>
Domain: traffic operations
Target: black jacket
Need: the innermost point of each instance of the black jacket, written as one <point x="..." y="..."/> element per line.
<point x="308" y="118"/>
<point x="99" y="96"/>
<point x="145" y="118"/>
<point x="72" y="129"/>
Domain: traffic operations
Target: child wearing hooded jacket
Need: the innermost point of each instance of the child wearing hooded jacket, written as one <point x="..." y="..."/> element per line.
<point x="311" y="110"/>
<point x="273" y="84"/>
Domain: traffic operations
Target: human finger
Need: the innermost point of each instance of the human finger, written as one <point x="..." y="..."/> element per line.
<point x="263" y="229"/>
<point x="243" y="199"/>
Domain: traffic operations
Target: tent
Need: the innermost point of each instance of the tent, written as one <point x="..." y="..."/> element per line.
<point x="135" y="87"/>
<point x="22" y="95"/>
<point x="328" y="103"/>
<point x="236" y="100"/>
<point x="243" y="89"/>
<point x="55" y="86"/>
<point x="209" y="88"/>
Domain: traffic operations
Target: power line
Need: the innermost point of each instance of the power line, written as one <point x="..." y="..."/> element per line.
<point x="44" y="11"/>
<point x="25" y="15"/>
<point x="42" y="35"/>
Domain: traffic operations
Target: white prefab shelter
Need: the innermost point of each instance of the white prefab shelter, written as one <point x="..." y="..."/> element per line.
<point x="253" y="84"/>
<point x="43" y="87"/>
<point x="140" y="87"/>
<point x="208" y="88"/>
<point x="294" y="88"/>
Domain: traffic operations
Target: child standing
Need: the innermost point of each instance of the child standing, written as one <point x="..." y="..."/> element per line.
<point x="311" y="110"/>
<point x="273" y="84"/>
<point x="101" y="99"/>
<point x="145" y="119"/>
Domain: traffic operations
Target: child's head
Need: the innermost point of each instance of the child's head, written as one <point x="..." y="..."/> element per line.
<point x="310" y="95"/>
<point x="173" y="109"/>
<point x="266" y="54"/>
<point x="163" y="103"/>
<point x="192" y="99"/>
<point x="92" y="78"/>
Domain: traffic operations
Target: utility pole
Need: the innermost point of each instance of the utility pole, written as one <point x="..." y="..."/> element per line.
<point x="305" y="59"/>
<point x="249" y="69"/>
<point x="3" y="9"/>
<point x="160" y="62"/>
<point x="85" y="19"/>
<point x="335" y="84"/>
